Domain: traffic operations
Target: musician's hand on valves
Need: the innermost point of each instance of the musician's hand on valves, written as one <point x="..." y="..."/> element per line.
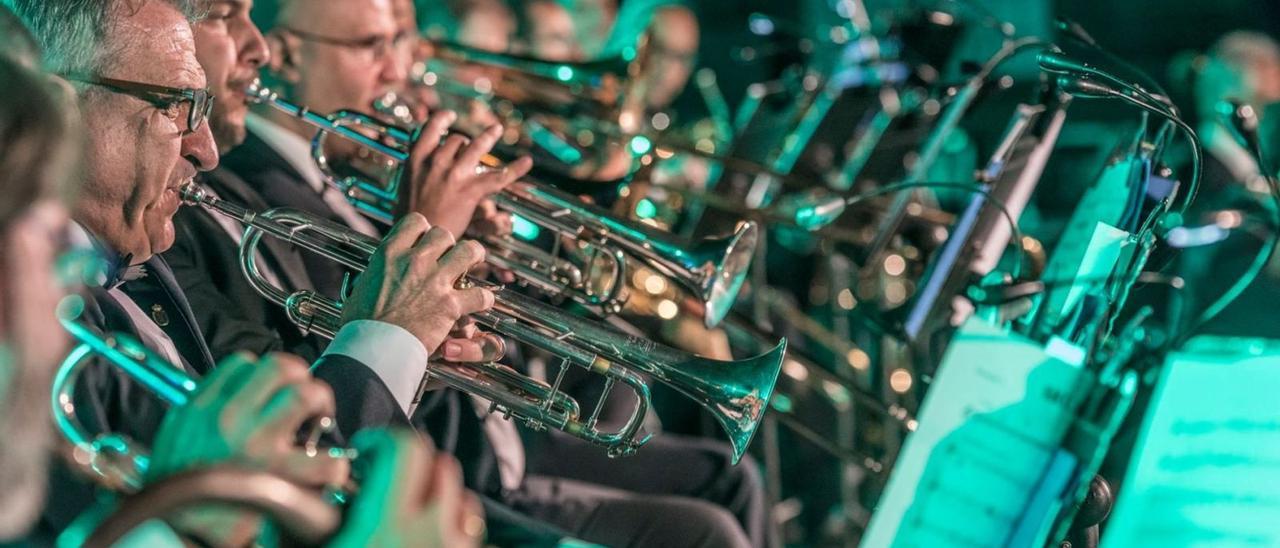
<point x="248" y="412"/>
<point x="412" y="282"/>
<point x="410" y="495"/>
<point x="447" y="182"/>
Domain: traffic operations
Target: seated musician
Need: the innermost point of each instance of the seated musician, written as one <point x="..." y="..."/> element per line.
<point x="306" y="48"/>
<point x="142" y="99"/>
<point x="205" y="257"/>
<point x="1244" y="66"/>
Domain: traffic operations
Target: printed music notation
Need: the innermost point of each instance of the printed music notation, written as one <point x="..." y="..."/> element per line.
<point x="1207" y="468"/>
<point x="988" y="431"/>
<point x="982" y="462"/>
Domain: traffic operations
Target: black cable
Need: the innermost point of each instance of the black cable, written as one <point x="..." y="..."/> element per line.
<point x="1197" y="153"/>
<point x="1007" y="51"/>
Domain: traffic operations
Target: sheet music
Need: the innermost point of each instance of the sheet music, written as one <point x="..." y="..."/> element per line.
<point x="990" y="424"/>
<point x="1088" y="266"/>
<point x="1206" y="471"/>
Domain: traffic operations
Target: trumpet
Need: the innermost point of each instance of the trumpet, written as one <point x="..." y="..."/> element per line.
<point x="115" y="463"/>
<point x="111" y="459"/>
<point x="567" y="93"/>
<point x="736" y="393"/>
<point x="713" y="268"/>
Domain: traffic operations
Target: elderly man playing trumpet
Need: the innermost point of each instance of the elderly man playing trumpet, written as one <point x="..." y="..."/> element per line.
<point x="144" y="100"/>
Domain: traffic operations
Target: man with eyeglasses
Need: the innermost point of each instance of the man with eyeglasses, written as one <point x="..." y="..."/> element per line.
<point x="313" y="64"/>
<point x="145" y="103"/>
<point x="231" y="314"/>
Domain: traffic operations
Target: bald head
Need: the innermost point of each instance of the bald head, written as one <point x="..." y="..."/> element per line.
<point x="1241" y="65"/>
<point x="337" y="54"/>
<point x="325" y="13"/>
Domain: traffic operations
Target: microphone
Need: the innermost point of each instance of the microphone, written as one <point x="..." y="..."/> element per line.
<point x="1074" y="30"/>
<point x="811" y="209"/>
<point x="1086" y="88"/>
<point x="1057" y="62"/>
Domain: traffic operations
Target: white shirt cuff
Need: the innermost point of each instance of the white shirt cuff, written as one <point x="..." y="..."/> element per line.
<point x="395" y="355"/>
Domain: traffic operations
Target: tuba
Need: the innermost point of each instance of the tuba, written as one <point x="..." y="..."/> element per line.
<point x="736" y="393"/>
<point x="714" y="268"/>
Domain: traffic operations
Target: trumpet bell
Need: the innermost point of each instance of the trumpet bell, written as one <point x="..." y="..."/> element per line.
<point x="737" y="393"/>
<point x="724" y="263"/>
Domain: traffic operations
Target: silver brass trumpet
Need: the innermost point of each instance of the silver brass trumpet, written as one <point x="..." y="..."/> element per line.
<point x="714" y="269"/>
<point x="112" y="459"/>
<point x="735" y="392"/>
<point x="117" y="465"/>
<point x="557" y="93"/>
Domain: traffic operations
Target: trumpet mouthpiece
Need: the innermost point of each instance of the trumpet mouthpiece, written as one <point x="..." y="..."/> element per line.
<point x="192" y="193"/>
<point x="256" y="93"/>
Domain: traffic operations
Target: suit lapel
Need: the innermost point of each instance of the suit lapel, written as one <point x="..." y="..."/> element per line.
<point x="280" y="185"/>
<point x="285" y="259"/>
<point x="160" y="297"/>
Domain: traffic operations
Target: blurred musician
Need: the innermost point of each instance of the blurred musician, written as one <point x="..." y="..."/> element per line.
<point x="673" y="46"/>
<point x="16" y="44"/>
<point x="1244" y="66"/>
<point x="672" y="32"/>
<point x="485" y="24"/>
<point x="551" y="33"/>
<point x="35" y="158"/>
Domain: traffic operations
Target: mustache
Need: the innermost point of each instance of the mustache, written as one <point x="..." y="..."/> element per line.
<point x="240" y="83"/>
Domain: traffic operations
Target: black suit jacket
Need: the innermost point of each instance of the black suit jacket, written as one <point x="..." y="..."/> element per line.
<point x="107" y="400"/>
<point x="362" y="398"/>
<point x="280" y="185"/>
<point x="206" y="263"/>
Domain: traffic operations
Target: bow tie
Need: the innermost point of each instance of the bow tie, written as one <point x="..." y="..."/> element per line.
<point x="127" y="273"/>
<point x="117" y="269"/>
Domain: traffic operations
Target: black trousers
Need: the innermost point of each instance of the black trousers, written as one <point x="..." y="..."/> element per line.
<point x="674" y="491"/>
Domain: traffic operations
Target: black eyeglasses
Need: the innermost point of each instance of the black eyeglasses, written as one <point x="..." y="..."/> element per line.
<point x="379" y="46"/>
<point x="177" y="103"/>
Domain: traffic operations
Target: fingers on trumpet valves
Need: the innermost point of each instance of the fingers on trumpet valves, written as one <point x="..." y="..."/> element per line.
<point x="433" y="133"/>
<point x="460" y="259"/>
<point x="405" y="234"/>
<point x="446" y="156"/>
<point x="432" y="248"/>
<point x="481" y="145"/>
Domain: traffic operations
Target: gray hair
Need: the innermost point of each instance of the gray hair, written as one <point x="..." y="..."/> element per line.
<point x="71" y="32"/>
<point x="16" y="42"/>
